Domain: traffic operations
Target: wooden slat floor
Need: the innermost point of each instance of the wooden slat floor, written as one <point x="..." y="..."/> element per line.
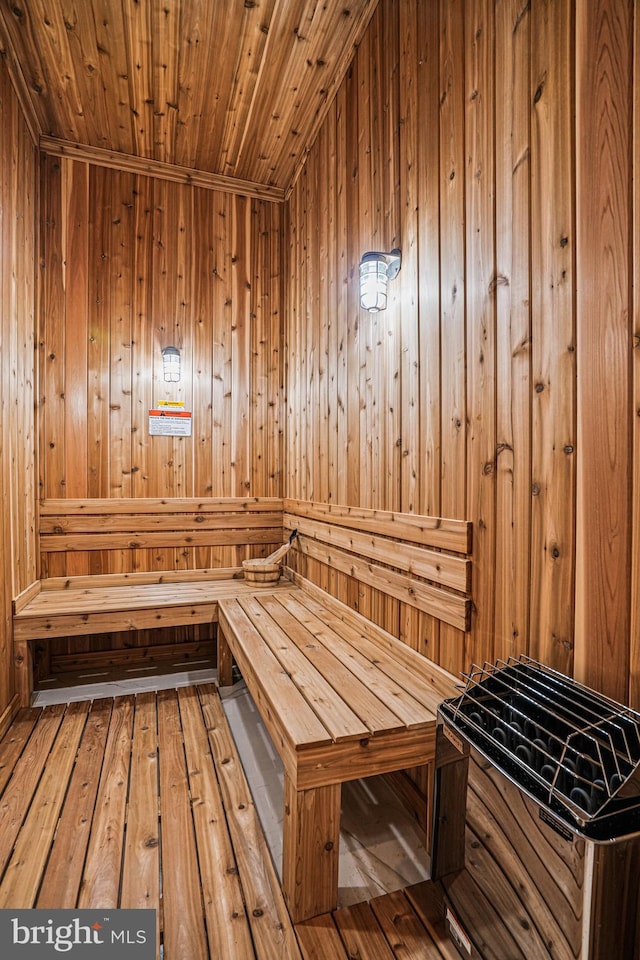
<point x="141" y="801"/>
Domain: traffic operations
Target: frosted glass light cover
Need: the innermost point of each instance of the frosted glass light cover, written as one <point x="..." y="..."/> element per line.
<point x="373" y="283"/>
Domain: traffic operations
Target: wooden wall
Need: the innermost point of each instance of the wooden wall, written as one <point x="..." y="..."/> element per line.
<point x="495" y="143"/>
<point x="131" y="264"/>
<point x="18" y="483"/>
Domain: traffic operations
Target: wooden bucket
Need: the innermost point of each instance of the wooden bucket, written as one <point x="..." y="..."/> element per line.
<point x="259" y="571"/>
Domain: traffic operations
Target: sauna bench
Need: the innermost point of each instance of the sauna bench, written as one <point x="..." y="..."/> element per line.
<point x="341" y="699"/>
<point x="77" y="606"/>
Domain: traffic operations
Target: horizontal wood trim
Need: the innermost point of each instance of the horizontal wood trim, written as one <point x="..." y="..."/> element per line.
<point x="159" y="169"/>
<point x="454" y="572"/>
<point x="113" y="621"/>
<point x="97" y="525"/>
<point x="54" y="507"/>
<point x="451" y="608"/>
<point x="397" y="750"/>
<point x="445" y="534"/>
<point x="185" y="652"/>
<point x="125" y="541"/>
<point x="78" y="525"/>
<point x="139" y="578"/>
<point x="26" y="596"/>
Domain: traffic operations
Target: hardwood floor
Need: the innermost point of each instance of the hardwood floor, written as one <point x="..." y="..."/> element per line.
<point x="141" y="801"/>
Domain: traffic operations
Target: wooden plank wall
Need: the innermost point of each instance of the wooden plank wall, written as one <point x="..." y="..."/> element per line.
<point x="131" y="264"/>
<point x="495" y="142"/>
<point x="18" y="481"/>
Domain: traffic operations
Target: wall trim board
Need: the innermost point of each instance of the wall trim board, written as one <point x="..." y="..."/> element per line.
<point x="126" y="163"/>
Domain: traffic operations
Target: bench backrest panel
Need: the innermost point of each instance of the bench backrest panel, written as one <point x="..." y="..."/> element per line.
<point x="402" y="556"/>
<point x="104" y="536"/>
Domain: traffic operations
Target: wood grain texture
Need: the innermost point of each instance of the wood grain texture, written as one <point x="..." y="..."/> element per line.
<point x="166" y="760"/>
<point x="233" y="91"/>
<point x="513" y="328"/>
<point x="148" y="290"/>
<point x="496" y="137"/>
<point x="553" y="396"/>
<point x="19" y="199"/>
<point x="604" y="302"/>
<point x="246" y="282"/>
<point x="634" y="667"/>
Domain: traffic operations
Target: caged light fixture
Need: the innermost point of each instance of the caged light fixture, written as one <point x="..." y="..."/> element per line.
<point x="375" y="270"/>
<point x="171" y="364"/>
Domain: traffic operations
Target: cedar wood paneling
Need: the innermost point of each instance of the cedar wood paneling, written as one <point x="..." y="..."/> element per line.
<point x="132" y="264"/>
<point x="18" y="481"/>
<point x="495" y="143"/>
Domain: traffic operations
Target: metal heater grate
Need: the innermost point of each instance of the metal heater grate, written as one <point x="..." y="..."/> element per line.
<point x="570" y="748"/>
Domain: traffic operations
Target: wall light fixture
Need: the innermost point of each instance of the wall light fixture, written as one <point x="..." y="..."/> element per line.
<point x="171" y="364"/>
<point x="375" y="270"/>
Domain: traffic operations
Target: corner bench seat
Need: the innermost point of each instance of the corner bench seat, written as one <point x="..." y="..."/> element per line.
<point x="341" y="699"/>
<point x="76" y="606"/>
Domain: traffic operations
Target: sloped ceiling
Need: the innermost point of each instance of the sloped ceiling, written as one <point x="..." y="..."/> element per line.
<point x="232" y="88"/>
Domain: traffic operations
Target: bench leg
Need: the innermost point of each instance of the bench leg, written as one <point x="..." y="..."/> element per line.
<point x="311" y="841"/>
<point x="224" y="662"/>
<point x="23" y="671"/>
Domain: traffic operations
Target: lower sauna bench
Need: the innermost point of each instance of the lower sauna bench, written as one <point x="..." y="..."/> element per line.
<point x="341" y="699"/>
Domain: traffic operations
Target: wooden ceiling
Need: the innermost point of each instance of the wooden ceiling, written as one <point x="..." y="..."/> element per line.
<point x="229" y="88"/>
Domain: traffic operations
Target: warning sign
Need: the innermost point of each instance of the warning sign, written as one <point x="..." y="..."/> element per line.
<point x="169" y="423"/>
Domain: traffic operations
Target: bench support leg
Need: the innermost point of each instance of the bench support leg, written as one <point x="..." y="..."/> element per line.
<point x="224" y="661"/>
<point x="23" y="671"/>
<point x="311" y="843"/>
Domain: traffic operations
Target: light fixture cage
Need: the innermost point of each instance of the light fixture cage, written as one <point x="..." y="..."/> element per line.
<point x="171" y="364"/>
<point x="376" y="269"/>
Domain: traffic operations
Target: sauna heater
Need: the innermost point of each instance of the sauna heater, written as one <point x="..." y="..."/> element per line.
<point x="536" y="826"/>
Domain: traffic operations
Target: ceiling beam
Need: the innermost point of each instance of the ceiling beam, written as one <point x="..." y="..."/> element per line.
<point x="157" y="168"/>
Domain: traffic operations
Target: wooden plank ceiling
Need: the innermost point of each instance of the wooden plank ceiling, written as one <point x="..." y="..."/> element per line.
<point x="229" y="88"/>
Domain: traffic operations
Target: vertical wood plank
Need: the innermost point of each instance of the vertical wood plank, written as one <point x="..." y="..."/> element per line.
<point x="141" y="335"/>
<point x="513" y="330"/>
<point x="101" y="877"/>
<point x="99" y="252"/>
<point x="120" y="337"/>
<point x="241" y="347"/>
<point x="183" y="927"/>
<point x="310" y="846"/>
<point x="19" y="792"/>
<point x="263" y="897"/>
<point x="24" y="870"/>
<point x="634" y="669"/>
<point x="481" y="319"/>
<point x="453" y="386"/>
<point x="63" y="874"/>
<point x="344" y="296"/>
<point x="19" y="180"/>
<point x="141" y="859"/>
<point x="75" y="240"/>
<point x="228" y="932"/>
<point x="553" y="337"/>
<point x="603" y="305"/>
